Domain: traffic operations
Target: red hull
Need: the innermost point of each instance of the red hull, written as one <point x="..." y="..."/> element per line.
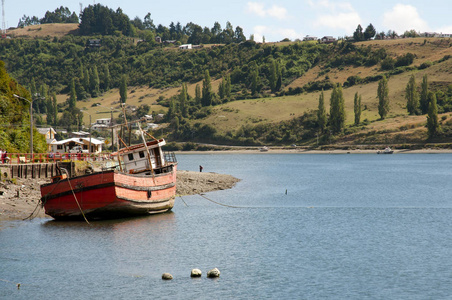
<point x="110" y="194"/>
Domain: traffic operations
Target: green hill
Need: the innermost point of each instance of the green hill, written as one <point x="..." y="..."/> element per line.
<point x="257" y="112"/>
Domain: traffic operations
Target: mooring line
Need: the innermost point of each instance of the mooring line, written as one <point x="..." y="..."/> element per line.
<point x="75" y="197"/>
<point x="16" y="283"/>
<point x="226" y="205"/>
<point x="183" y="201"/>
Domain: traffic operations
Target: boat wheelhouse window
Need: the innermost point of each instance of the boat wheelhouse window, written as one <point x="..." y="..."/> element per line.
<point x="130" y="156"/>
<point x="141" y="154"/>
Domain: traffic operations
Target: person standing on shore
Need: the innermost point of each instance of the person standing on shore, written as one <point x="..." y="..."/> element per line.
<point x="200" y="168"/>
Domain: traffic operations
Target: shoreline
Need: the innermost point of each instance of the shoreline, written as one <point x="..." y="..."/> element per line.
<point x="308" y="151"/>
<point x="20" y="199"/>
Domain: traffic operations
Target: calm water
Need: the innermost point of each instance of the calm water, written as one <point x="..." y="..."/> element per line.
<point x="350" y="227"/>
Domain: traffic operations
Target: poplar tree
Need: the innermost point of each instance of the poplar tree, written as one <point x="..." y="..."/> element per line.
<point x="183" y="99"/>
<point x="94" y="82"/>
<point x="432" y="116"/>
<point x="106" y="78"/>
<point x="383" y="98"/>
<point x="411" y="96"/>
<point x="197" y="94"/>
<point x="221" y="89"/>
<point x="424" y="95"/>
<point x="357" y="108"/>
<point x="206" y="99"/>
<point x="85" y="80"/>
<point x="321" y="113"/>
<point x="337" y="110"/>
<point x="72" y="94"/>
<point x="123" y="89"/>
<point x="227" y="88"/>
<point x="55" y="109"/>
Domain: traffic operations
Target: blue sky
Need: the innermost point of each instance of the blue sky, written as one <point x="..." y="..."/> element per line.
<point x="275" y="20"/>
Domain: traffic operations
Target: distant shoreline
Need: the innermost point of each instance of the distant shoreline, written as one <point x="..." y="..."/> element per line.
<point x="305" y="151"/>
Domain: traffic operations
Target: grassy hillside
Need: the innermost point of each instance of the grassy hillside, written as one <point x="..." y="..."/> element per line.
<point x="285" y="106"/>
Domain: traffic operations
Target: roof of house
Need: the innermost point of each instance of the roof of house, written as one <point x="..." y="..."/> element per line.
<point x="80" y="141"/>
<point x="45" y="130"/>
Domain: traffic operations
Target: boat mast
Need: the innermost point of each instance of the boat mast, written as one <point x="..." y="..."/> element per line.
<point x="147" y="149"/>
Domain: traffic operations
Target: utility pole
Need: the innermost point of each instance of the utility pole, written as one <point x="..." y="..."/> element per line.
<point x="31" y="119"/>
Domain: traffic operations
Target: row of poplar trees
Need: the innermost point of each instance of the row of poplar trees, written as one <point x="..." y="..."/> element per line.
<point x="423" y="103"/>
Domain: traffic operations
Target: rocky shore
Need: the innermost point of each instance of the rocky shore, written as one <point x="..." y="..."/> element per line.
<point x="20" y="197"/>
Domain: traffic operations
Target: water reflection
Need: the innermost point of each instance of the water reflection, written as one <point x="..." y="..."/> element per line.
<point x="166" y="220"/>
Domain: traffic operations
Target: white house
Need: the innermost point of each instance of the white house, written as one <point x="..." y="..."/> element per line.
<point x="101" y="124"/>
<point x="309" y="38"/>
<point x="185" y="46"/>
<point x="327" y="40"/>
<point x="66" y="145"/>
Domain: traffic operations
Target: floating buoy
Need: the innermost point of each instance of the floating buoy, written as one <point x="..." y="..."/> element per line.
<point x="196" y="273"/>
<point x="167" y="276"/>
<point x="213" y="273"/>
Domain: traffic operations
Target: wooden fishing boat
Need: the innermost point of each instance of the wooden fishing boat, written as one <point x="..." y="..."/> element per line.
<point x="143" y="182"/>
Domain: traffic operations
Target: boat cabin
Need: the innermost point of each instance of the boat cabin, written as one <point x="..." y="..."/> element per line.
<point x="135" y="159"/>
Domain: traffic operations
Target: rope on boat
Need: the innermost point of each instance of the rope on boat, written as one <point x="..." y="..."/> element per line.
<point x="75" y="197"/>
<point x="31" y="217"/>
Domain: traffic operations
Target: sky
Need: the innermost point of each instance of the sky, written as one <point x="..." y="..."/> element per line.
<point x="272" y="20"/>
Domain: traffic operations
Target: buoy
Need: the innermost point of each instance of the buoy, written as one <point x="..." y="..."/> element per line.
<point x="167" y="276"/>
<point x="18" y="286"/>
<point x="196" y="273"/>
<point x="213" y="273"/>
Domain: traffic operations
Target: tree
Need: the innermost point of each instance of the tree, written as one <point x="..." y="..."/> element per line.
<point x="383" y="98"/>
<point x="197" y="94"/>
<point x="321" y="113"/>
<point x="337" y="110"/>
<point x="423" y="101"/>
<point x="94" y="82"/>
<point x="274" y="76"/>
<point x="369" y="32"/>
<point x="183" y="101"/>
<point x="411" y="96"/>
<point x="432" y="116"/>
<point x="72" y="94"/>
<point x="227" y="87"/>
<point x="206" y="99"/>
<point x="357" y="108"/>
<point x="106" y="78"/>
<point x="123" y="89"/>
<point x="358" y="34"/>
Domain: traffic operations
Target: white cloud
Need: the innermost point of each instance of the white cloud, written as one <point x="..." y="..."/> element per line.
<point x="278" y="12"/>
<point x="256" y="8"/>
<point x="259" y="9"/>
<point x="346" y="21"/>
<point x="404" y="17"/>
<point x="341" y="15"/>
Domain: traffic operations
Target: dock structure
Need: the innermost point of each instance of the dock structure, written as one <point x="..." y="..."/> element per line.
<point x="36" y="170"/>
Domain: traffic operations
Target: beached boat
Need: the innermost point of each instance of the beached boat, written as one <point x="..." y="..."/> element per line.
<point x="263" y="149"/>
<point x="142" y="182"/>
<point x="387" y="150"/>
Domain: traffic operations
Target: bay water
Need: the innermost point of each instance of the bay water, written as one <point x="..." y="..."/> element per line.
<point x="297" y="226"/>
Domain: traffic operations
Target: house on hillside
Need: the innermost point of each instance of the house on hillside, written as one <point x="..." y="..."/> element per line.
<point x="327" y="40"/>
<point x="66" y="145"/>
<point x="49" y="134"/>
<point x="94" y="43"/>
<point x="309" y="38"/>
<point x="185" y="47"/>
<point x="101" y="124"/>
